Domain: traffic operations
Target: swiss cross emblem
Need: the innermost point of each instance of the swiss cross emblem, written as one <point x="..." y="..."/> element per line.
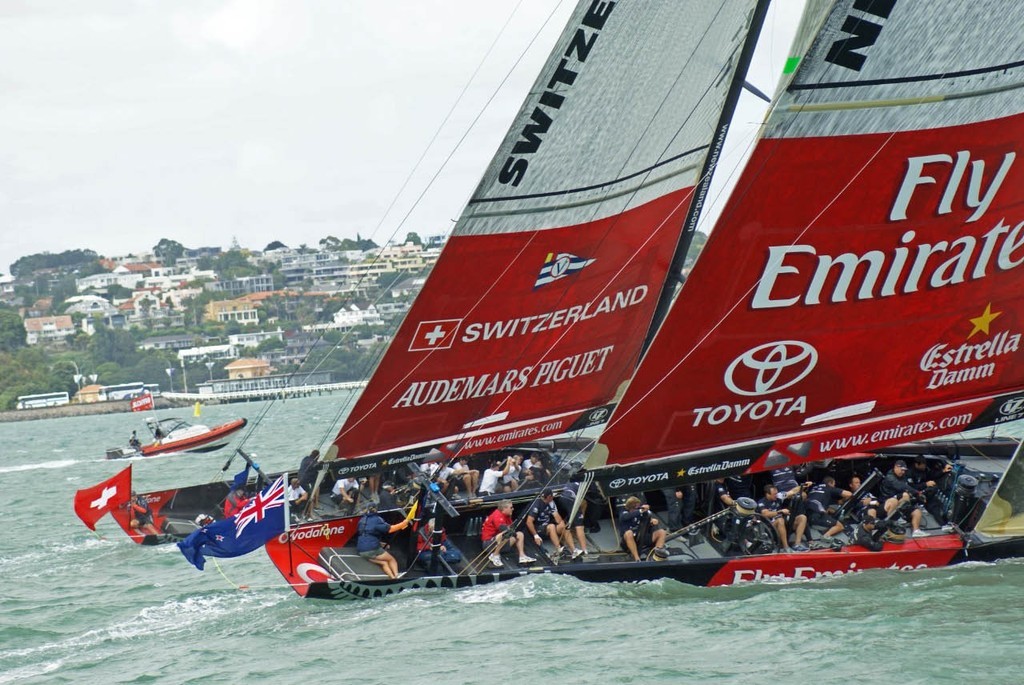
<point x="101" y="501"/>
<point x="435" y="335"/>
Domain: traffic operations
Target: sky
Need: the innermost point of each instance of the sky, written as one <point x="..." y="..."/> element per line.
<point x="211" y="121"/>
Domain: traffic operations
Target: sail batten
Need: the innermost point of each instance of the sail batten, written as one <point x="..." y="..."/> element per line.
<point x="607" y="184"/>
<point x="623" y="192"/>
<point x="917" y="78"/>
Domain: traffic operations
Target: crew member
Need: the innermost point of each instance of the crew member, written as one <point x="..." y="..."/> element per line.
<point x="370" y="543"/>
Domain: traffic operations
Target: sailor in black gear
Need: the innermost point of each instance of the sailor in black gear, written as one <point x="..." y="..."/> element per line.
<point x="868" y="534"/>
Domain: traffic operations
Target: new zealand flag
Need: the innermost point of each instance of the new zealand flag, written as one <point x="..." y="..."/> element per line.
<point x="258" y="521"/>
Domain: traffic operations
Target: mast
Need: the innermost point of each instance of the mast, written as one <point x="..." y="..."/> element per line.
<point x="675" y="278"/>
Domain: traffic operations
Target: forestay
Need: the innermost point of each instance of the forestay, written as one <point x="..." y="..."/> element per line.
<point x="534" y="314"/>
<point x="863" y="285"/>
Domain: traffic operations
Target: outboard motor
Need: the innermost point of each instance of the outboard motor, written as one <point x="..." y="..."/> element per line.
<point x="965" y="502"/>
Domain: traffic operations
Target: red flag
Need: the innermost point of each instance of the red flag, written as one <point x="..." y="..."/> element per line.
<point x="142" y="402"/>
<point x="92" y="503"/>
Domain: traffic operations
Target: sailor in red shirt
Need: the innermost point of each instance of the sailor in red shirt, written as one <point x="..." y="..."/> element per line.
<point x="497" y="534"/>
<point x="236" y="499"/>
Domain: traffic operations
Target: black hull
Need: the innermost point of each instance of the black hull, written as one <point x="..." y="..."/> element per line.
<point x="698" y="573"/>
<point x="996" y="550"/>
<point x="994" y="447"/>
<point x="941" y="551"/>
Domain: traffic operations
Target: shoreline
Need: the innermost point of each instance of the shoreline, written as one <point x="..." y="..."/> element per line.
<point x="90" y="409"/>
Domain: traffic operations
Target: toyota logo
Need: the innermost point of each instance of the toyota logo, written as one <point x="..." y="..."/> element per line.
<point x="770" y="367"/>
<point x="617" y="483"/>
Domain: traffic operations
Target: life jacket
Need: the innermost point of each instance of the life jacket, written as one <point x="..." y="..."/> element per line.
<point x="142" y="512"/>
<point x="232" y="505"/>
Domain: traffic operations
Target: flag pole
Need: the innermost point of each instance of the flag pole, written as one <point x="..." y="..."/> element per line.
<point x="287" y="504"/>
<point x="288" y="517"/>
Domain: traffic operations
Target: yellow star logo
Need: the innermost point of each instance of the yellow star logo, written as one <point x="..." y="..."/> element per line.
<point x="680" y="473"/>
<point x="981" y="323"/>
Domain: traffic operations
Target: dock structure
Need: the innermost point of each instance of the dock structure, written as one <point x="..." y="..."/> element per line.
<point x="264" y="393"/>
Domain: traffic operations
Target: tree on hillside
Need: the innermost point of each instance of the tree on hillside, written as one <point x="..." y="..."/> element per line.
<point x="345" y="244"/>
<point x="26" y="371"/>
<point x="276" y="245"/>
<point x="270" y="344"/>
<point x="414" y="238"/>
<point x="330" y="244"/>
<point x="62" y="290"/>
<point x="234" y="264"/>
<point x="116" y="291"/>
<point x="109" y="345"/>
<point x="64" y="261"/>
<point x="364" y="244"/>
<point x="12" y="331"/>
<point x="168" y="251"/>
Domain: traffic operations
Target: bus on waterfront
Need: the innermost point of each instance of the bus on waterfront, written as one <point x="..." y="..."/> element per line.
<point x="121" y="391"/>
<point x="127" y="391"/>
<point x="46" y="399"/>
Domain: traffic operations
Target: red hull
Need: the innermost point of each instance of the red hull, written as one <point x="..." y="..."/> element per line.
<point x="187" y="444"/>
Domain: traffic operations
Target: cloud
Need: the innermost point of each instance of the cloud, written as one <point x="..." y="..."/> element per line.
<point x="246" y="26"/>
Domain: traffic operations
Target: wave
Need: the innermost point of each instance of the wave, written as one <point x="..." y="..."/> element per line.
<point x="63" y="463"/>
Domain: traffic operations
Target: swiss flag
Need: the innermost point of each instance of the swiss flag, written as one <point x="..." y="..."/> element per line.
<point x="434" y="335"/>
<point x="92" y="503"/>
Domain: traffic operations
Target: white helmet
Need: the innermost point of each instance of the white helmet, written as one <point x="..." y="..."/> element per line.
<point x="203" y="520"/>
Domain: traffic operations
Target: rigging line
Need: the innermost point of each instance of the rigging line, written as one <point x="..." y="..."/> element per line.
<point x="476" y="119"/>
<point x="350" y="424"/>
<point x="742" y="153"/>
<point x="472" y="124"/>
<point x="739" y="300"/>
<point x="347" y="404"/>
<point x="342" y="407"/>
<point x="662" y="225"/>
<point x="622" y="268"/>
<point x="662" y="104"/>
<point x="686" y="199"/>
<point x="455" y="104"/>
<point x="225" y="577"/>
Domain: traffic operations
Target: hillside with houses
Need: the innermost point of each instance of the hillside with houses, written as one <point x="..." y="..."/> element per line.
<point x="206" y="319"/>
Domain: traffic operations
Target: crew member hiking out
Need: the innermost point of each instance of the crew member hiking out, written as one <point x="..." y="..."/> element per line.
<point x="370" y="544"/>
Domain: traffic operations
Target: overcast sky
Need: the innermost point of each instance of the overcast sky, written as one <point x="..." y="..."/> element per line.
<point x="203" y="121"/>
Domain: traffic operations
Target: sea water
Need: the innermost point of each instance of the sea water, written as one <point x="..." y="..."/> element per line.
<point x="83" y="607"/>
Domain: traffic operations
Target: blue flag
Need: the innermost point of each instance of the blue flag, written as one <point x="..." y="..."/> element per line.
<point x="241" y="478"/>
<point x="258" y="521"/>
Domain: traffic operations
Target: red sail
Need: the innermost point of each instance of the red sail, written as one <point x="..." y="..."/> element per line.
<point x="535" y="312"/>
<point x="518" y="347"/>
<point x="864" y="285"/>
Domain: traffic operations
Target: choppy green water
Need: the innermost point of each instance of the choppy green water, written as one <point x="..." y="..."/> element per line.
<point x="77" y="608"/>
